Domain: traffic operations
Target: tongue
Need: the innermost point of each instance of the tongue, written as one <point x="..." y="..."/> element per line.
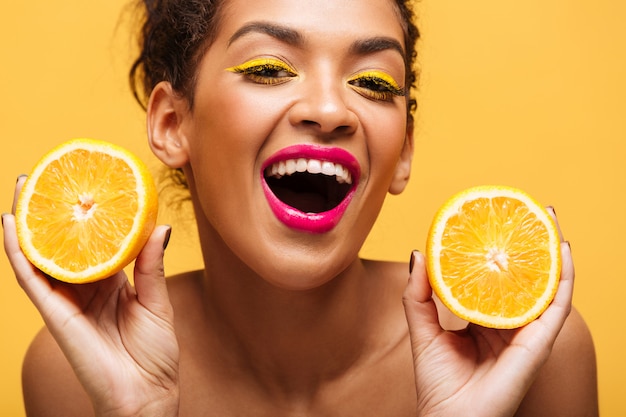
<point x="307" y="202"/>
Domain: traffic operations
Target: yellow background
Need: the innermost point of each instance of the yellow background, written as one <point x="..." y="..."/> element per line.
<point x="526" y="93"/>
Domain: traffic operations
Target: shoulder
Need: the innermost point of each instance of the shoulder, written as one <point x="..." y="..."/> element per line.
<point x="567" y="383"/>
<point x="49" y="385"/>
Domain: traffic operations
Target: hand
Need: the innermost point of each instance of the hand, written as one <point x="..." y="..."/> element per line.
<point x="119" y="340"/>
<point x="487" y="371"/>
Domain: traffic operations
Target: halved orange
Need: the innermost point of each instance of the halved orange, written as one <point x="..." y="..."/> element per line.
<point x="86" y="210"/>
<point x="493" y="256"/>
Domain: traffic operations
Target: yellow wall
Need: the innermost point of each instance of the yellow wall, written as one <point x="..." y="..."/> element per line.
<point x="528" y="93"/>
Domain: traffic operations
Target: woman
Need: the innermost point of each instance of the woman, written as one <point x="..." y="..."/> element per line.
<point x="250" y="101"/>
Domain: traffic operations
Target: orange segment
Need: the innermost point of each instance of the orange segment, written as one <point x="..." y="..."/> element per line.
<point x="493" y="256"/>
<point x="86" y="211"/>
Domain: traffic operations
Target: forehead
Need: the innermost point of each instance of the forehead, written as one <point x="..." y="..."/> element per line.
<point x="317" y="20"/>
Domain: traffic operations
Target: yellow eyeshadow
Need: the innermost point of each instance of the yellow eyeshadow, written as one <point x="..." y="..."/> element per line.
<point x="255" y="64"/>
<point x="379" y="75"/>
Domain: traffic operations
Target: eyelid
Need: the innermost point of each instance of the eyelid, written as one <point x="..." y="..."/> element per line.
<point x="380" y="77"/>
<point x="254" y="64"/>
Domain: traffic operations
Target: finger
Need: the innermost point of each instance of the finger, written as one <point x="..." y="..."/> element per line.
<point x="32" y="280"/>
<point x="18" y="188"/>
<point x="566" y="284"/>
<point x="419" y="306"/>
<point x="34" y="283"/>
<point x="552" y="213"/>
<point x="562" y="302"/>
<point x="555" y="315"/>
<point x="150" y="283"/>
<point x="564" y="294"/>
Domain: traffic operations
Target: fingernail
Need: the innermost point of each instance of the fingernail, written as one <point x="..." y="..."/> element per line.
<point x="412" y="261"/>
<point x="20" y="177"/>
<point x="3" y="218"/>
<point x="569" y="245"/>
<point x="553" y="210"/>
<point x="166" y="240"/>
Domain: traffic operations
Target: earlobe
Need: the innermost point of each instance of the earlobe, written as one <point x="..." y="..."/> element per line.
<point x="164" y="118"/>
<point x="403" y="168"/>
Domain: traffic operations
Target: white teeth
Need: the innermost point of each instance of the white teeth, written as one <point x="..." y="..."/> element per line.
<point x="328" y="168"/>
<point x="301" y="165"/>
<point x="312" y="166"/>
<point x="290" y="166"/>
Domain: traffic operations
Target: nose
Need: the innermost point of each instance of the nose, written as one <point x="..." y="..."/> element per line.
<point x="322" y="104"/>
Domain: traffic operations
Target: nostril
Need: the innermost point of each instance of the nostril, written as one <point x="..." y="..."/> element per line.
<point x="327" y="112"/>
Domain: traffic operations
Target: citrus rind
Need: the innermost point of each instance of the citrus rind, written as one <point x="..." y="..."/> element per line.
<point x="143" y="222"/>
<point x="443" y="286"/>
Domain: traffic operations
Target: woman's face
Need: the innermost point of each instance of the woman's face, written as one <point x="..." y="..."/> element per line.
<point x="297" y="133"/>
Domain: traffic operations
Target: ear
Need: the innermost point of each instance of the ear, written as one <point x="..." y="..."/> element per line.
<point x="165" y="114"/>
<point x="402" y="172"/>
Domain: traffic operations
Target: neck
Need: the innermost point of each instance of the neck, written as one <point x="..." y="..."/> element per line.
<point x="291" y="341"/>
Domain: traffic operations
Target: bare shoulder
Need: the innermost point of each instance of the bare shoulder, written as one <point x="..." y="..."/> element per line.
<point x="49" y="384"/>
<point x="567" y="383"/>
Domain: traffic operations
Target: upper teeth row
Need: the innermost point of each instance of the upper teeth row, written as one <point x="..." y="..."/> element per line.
<point x="312" y="166"/>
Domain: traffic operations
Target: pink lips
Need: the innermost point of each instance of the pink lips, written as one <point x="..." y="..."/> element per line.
<point x="311" y="222"/>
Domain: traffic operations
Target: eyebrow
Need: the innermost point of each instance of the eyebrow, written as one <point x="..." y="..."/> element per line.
<point x="282" y="33"/>
<point x="293" y="37"/>
<point x="376" y="44"/>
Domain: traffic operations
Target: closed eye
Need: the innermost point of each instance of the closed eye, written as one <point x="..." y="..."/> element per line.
<point x="376" y="85"/>
<point x="268" y="71"/>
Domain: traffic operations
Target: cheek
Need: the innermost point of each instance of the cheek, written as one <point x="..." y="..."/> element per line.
<point x="225" y="137"/>
<point x="386" y="142"/>
<point x="224" y="130"/>
<point x="244" y="111"/>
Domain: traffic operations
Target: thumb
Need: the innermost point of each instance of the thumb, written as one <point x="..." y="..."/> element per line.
<point x="149" y="273"/>
<point x="419" y="306"/>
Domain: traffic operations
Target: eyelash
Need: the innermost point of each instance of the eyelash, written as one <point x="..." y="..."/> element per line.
<point x="265" y="71"/>
<point x="375" y="85"/>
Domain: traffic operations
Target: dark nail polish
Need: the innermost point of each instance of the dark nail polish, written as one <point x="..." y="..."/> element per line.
<point x="412" y="261"/>
<point x="166" y="241"/>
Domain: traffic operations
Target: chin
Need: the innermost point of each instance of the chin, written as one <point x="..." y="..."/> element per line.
<point x="307" y="274"/>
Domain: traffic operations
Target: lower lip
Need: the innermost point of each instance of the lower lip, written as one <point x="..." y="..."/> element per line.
<point x="311" y="222"/>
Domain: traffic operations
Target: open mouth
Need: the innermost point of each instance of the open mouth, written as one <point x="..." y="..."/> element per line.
<point x="309" y="185"/>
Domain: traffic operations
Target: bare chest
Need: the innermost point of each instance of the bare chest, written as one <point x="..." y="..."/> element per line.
<point x="382" y="389"/>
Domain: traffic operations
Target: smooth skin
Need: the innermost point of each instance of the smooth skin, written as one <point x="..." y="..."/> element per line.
<point x="280" y="322"/>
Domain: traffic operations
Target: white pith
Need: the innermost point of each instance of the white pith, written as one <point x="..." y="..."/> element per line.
<point x="84" y="208"/>
<point x="312" y="166"/>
